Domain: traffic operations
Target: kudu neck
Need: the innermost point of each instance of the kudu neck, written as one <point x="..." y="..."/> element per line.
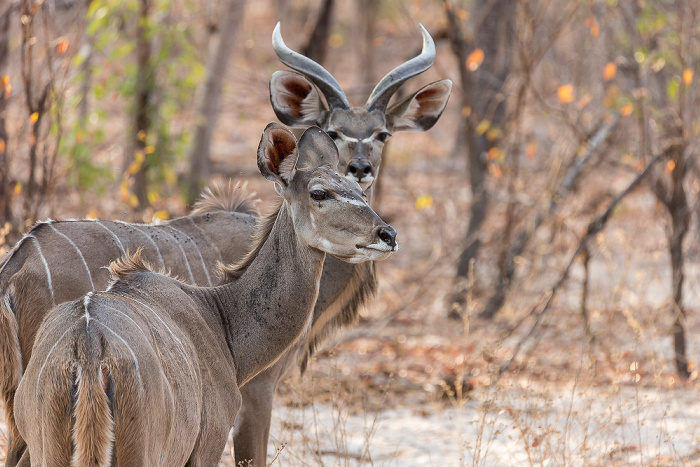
<point x="269" y="306"/>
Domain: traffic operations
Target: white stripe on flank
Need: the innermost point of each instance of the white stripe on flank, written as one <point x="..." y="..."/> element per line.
<point x="133" y="355"/>
<point x="205" y="235"/>
<point x="80" y="253"/>
<point x="121" y="245"/>
<point x="46" y="267"/>
<point x="201" y="258"/>
<point x="162" y="263"/>
<point x="177" y="339"/>
<point x="38" y="379"/>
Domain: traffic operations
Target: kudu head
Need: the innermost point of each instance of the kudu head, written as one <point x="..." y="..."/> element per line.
<point x="328" y="210"/>
<point x="359" y="132"/>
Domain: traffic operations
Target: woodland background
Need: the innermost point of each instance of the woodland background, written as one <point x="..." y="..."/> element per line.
<point x="548" y="223"/>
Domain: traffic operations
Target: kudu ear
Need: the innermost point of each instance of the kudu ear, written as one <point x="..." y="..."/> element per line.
<point x="316" y="149"/>
<point x="420" y="111"/>
<point x="277" y="154"/>
<point x="295" y="99"/>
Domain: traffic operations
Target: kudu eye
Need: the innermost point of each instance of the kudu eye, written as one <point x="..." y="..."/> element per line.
<point x="318" y="195"/>
<point x="383" y="136"/>
<point x="333" y="134"/>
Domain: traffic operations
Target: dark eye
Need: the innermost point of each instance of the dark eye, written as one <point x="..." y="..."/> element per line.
<point x="332" y="134"/>
<point x="383" y="136"/>
<point x="318" y="195"/>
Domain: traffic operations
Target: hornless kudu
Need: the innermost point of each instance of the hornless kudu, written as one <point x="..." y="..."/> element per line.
<point x="148" y="372"/>
<point x="360" y="134"/>
<point x="58" y="261"/>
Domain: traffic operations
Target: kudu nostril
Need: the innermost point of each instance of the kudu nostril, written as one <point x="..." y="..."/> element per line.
<point x="387" y="235"/>
<point x="360" y="169"/>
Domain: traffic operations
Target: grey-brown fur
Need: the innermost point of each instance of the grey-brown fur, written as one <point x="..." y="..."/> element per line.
<point x="25" y="296"/>
<point x="162" y="361"/>
<point x="360" y="134"/>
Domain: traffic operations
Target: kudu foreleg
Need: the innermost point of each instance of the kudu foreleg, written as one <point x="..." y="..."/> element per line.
<point x="252" y="428"/>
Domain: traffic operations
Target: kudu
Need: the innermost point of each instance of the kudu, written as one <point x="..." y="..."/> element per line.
<point x="148" y="372"/>
<point x="360" y="134"/>
<point x="58" y="261"/>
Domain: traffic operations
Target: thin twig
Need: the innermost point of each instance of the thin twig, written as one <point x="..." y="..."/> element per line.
<point x="595" y="226"/>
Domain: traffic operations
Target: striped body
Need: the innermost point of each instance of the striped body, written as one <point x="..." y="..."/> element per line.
<point x="58" y="261"/>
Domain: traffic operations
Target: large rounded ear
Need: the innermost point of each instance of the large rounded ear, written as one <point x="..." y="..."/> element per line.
<point x="295" y="99"/>
<point x="420" y="111"/>
<point x="277" y="154"/>
<point x="316" y="148"/>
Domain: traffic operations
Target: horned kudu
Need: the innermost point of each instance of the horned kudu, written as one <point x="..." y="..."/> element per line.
<point x="360" y="134"/>
<point x="148" y="372"/>
<point x="58" y="261"/>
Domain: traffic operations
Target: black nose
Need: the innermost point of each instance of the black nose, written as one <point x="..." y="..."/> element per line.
<point x="388" y="235"/>
<point x="360" y="169"/>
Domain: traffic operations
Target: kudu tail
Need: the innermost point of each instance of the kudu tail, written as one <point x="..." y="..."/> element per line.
<point x="93" y="429"/>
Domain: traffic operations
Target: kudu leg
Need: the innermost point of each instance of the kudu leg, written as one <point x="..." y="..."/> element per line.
<point x="252" y="428"/>
<point x="16" y="450"/>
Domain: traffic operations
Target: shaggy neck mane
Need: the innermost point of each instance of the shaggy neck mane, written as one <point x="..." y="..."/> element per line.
<point x="232" y="272"/>
<point x="230" y="197"/>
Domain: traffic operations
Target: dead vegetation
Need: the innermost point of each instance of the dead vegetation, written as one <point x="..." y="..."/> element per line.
<point x="593" y="380"/>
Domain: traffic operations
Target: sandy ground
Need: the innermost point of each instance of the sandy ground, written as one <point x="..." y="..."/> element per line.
<point x="573" y="426"/>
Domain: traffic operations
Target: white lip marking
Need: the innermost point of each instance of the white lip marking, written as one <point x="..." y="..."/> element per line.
<point x="381" y="246"/>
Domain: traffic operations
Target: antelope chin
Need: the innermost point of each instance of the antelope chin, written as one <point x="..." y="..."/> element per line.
<point x="376" y="251"/>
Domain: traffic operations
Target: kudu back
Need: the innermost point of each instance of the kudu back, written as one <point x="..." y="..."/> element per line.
<point x="58" y="261"/>
<point x="360" y="134"/>
<point x="148" y="372"/>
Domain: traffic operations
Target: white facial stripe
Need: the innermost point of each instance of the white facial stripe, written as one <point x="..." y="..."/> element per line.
<point x="354" y="202"/>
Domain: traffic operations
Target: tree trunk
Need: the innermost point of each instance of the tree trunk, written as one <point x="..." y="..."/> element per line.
<point x="207" y="108"/>
<point x="317" y="45"/>
<point x="5" y="189"/>
<point x="142" y="105"/>
<point x="481" y="91"/>
<point x="680" y="222"/>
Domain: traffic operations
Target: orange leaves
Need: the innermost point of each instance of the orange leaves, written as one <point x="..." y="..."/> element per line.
<point x="566" y="93"/>
<point x="670" y="165"/>
<point x="2" y="146"/>
<point x="33" y="118"/>
<point x="531" y="149"/>
<point x="626" y="109"/>
<point x="687" y="76"/>
<point x="593" y="26"/>
<point x="5" y="86"/>
<point x="62" y="45"/>
<point x="474" y="60"/>
<point x="609" y="71"/>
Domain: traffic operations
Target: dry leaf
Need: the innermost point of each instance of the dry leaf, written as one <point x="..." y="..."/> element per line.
<point x="609" y="71"/>
<point x="475" y="59"/>
<point x="566" y="93"/>
<point x="62" y="46"/>
<point x="626" y="109"/>
<point x="687" y="76"/>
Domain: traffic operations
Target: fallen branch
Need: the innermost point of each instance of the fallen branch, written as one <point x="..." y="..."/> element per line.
<point x="595" y="226"/>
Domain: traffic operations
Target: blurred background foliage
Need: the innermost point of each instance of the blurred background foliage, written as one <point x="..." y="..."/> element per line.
<point x="560" y="111"/>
